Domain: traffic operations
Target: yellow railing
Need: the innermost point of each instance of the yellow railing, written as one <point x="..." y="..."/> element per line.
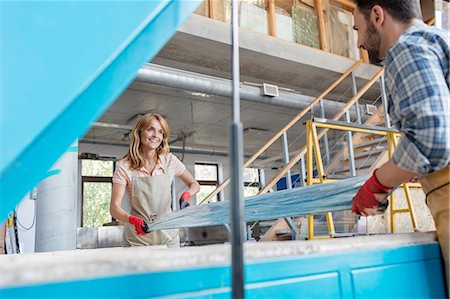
<point x="313" y="146"/>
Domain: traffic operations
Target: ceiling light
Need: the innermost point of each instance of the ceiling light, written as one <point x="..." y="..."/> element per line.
<point x="200" y="94"/>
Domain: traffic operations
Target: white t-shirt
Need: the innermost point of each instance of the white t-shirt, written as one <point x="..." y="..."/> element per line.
<point x="167" y="164"/>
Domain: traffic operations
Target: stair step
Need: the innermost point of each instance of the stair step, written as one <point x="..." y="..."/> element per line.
<point x="346" y="169"/>
<point x="380" y="123"/>
<point x="375" y="141"/>
<point x="377" y="150"/>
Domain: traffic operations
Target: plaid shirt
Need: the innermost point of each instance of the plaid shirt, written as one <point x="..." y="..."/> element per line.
<point x="417" y="85"/>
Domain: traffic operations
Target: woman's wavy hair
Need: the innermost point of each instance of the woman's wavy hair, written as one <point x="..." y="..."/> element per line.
<point x="135" y="155"/>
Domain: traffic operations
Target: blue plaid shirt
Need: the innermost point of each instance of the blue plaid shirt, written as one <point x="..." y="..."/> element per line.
<point x="418" y="90"/>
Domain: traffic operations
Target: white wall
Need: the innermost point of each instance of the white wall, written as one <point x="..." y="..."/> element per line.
<point x="26" y="211"/>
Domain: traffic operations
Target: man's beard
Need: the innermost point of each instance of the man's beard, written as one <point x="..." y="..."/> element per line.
<point x="373" y="45"/>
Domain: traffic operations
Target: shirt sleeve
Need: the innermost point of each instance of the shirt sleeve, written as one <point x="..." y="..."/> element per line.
<point x="421" y="98"/>
<point x="175" y="165"/>
<point x="121" y="174"/>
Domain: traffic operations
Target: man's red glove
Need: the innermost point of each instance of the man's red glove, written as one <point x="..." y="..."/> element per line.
<point x="365" y="197"/>
<point x="138" y="224"/>
<point x="184" y="200"/>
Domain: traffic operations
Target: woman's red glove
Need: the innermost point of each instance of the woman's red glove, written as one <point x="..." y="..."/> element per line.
<point x="138" y="224"/>
<point x="184" y="200"/>
<point x="365" y="197"/>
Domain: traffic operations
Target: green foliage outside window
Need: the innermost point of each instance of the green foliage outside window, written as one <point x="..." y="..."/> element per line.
<point x="96" y="192"/>
<point x="96" y="198"/>
<point x="97" y="168"/>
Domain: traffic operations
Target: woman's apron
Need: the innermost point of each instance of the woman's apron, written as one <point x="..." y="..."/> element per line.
<point x="150" y="200"/>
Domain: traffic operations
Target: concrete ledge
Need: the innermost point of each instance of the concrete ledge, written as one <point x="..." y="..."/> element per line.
<point x="26" y="269"/>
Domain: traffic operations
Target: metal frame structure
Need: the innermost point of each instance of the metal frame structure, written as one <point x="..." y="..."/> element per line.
<point x="301" y="153"/>
<point x="313" y="145"/>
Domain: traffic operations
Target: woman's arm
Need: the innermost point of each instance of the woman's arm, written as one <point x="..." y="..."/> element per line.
<point x="115" y="207"/>
<point x="188" y="179"/>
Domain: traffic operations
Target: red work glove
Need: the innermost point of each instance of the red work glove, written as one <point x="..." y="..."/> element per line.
<point x="138" y="224"/>
<point x="184" y="200"/>
<point x="365" y="197"/>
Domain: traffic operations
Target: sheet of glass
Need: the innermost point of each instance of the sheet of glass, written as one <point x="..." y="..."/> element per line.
<point x="329" y="197"/>
<point x="341" y="35"/>
<point x="442" y="14"/>
<point x="284" y="24"/>
<point x="305" y="26"/>
<point x="253" y="17"/>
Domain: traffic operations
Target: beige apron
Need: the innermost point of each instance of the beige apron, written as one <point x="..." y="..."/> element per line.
<point x="436" y="187"/>
<point x="150" y="200"/>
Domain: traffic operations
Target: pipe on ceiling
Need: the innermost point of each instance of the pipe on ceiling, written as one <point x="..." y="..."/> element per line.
<point x="180" y="79"/>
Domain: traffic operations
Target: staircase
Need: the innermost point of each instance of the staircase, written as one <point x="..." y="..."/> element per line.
<point x="370" y="151"/>
<point x="280" y="226"/>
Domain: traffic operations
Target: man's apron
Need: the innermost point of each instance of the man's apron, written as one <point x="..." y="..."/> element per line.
<point x="150" y="200"/>
<point x="436" y="187"/>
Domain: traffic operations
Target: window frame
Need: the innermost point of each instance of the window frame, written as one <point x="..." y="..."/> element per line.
<point x="210" y="182"/>
<point x="94" y="179"/>
<point x="253" y="184"/>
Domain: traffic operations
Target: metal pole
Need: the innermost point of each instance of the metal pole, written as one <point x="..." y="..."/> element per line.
<point x="351" y="154"/>
<point x="288" y="220"/>
<point x="355" y="91"/>
<point x="236" y="162"/>
<point x="302" y="172"/>
<point x="325" y="137"/>
<point x="387" y="121"/>
<point x="286" y="161"/>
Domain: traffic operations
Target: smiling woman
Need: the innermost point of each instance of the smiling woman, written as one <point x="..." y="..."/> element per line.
<point x="146" y="173"/>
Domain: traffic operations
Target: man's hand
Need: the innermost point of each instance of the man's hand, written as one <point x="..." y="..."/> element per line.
<point x="138" y="224"/>
<point x="370" y="196"/>
<point x="184" y="200"/>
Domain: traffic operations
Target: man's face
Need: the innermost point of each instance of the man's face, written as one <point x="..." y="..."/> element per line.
<point x="368" y="37"/>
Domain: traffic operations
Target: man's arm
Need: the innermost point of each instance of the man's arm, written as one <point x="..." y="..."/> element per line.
<point x="391" y="175"/>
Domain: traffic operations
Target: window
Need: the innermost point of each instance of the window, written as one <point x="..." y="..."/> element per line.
<point x="96" y="188"/>
<point x="250" y="176"/>
<point x="207" y="175"/>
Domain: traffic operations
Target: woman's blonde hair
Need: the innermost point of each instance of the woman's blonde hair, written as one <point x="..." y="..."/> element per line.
<point x="135" y="155"/>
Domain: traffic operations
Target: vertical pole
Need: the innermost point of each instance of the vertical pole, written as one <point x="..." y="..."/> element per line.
<point x="387" y="121"/>
<point x="272" y="23"/>
<point x="286" y="161"/>
<point x="351" y="154"/>
<point x="325" y="137"/>
<point x="322" y="31"/>
<point x="358" y="115"/>
<point x="355" y="91"/>
<point x="288" y="220"/>
<point x="236" y="162"/>
<point x="302" y="175"/>
<point x="309" y="173"/>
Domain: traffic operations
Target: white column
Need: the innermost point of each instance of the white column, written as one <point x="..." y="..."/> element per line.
<point x="56" y="205"/>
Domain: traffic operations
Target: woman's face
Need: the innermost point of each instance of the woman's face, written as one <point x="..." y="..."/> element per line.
<point x="152" y="136"/>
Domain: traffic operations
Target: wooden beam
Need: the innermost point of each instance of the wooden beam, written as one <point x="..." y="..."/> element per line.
<point x="364" y="55"/>
<point x="271" y="234"/>
<point x="272" y="23"/>
<point x="346" y="4"/>
<point x="322" y="31"/>
<point x="207" y="10"/>
<point x="211" y="9"/>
